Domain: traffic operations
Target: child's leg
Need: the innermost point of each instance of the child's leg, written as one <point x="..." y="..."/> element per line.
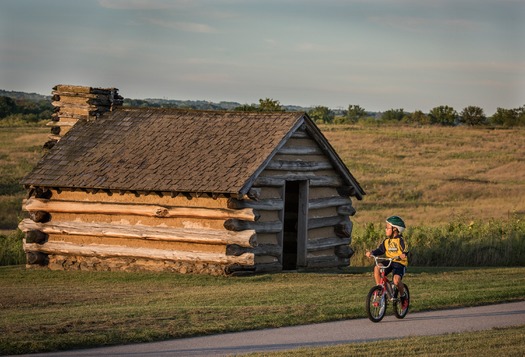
<point x="377" y="275"/>
<point x="399" y="284"/>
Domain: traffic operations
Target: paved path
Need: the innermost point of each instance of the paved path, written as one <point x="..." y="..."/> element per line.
<point x="330" y="333"/>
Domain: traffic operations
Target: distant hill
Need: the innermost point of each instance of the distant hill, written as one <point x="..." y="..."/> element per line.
<point x="201" y="104"/>
<point x="22" y="95"/>
<point x="152" y="102"/>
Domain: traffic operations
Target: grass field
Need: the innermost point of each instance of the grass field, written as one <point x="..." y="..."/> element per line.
<point x="428" y="175"/>
<point x="466" y="183"/>
<point x="52" y="310"/>
<point x="20" y="149"/>
<point x="434" y="175"/>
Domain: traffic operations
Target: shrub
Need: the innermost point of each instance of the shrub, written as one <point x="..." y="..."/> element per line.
<point x="11" y="251"/>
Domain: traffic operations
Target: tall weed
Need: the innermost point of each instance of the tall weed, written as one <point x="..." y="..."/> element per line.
<point x="478" y="243"/>
<point x="11" y="251"/>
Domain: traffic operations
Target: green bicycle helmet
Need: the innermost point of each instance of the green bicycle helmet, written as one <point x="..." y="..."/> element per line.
<point x="397" y="222"/>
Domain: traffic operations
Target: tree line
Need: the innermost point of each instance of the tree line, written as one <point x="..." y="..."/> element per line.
<point x="23" y="111"/>
<point x="28" y="109"/>
<point x="441" y="115"/>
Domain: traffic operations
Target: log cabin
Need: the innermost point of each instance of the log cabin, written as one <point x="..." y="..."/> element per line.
<point x="207" y="192"/>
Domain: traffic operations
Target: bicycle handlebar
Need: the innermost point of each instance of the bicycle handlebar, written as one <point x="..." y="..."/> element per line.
<point x="379" y="260"/>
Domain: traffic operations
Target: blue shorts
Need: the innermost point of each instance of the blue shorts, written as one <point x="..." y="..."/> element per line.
<point x="397" y="268"/>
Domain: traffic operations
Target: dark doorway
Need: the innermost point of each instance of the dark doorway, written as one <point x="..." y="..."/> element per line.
<point x="294" y="224"/>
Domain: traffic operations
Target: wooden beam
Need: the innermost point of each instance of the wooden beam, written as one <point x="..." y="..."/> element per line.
<point x="111" y="251"/>
<point x="35" y="204"/>
<point x="300" y="150"/>
<point x="324" y="222"/>
<point x="263" y="249"/>
<point x="326" y="243"/>
<point x="298" y="165"/>
<point x="315" y="181"/>
<point x="245" y="238"/>
<point x="261" y="205"/>
<point x="260" y="227"/>
<point x="326" y="202"/>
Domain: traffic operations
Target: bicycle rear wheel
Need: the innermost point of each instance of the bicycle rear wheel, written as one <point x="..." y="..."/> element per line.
<point x="399" y="310"/>
<point x="376" y="304"/>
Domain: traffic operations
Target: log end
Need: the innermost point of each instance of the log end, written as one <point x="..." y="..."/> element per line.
<point x="344" y="251"/>
<point x="35" y="236"/>
<point x="343" y="230"/>
<point x="37" y="258"/>
<point x="40" y="216"/>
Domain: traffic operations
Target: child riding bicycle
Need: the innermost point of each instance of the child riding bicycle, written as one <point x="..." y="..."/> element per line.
<point x="393" y="247"/>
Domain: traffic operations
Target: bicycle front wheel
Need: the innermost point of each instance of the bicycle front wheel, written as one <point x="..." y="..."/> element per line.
<point x="401" y="307"/>
<point x="376" y="304"/>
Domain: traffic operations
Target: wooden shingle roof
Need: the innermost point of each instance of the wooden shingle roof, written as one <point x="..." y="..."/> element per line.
<point x="167" y="150"/>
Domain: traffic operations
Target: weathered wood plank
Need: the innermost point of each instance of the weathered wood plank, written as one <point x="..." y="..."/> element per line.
<point x="261" y="205"/>
<point x="300" y="150"/>
<point x="260" y="227"/>
<point x="315" y="181"/>
<point x="300" y="134"/>
<point x="326" y="202"/>
<point x="298" y="165"/>
<point x="326" y="243"/>
<point x="263" y="249"/>
<point x="109" y="251"/>
<point x="245" y="238"/>
<point x="324" y="222"/>
<point x="35" y="204"/>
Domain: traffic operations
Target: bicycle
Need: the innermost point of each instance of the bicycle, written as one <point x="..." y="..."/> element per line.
<point x="379" y="295"/>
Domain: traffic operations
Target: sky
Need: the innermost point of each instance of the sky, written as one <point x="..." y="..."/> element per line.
<point x="378" y="54"/>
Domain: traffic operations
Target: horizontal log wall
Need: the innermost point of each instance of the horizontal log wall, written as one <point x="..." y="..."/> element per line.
<point x="106" y="230"/>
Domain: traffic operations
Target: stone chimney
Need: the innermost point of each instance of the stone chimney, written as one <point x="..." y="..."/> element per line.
<point x="74" y="103"/>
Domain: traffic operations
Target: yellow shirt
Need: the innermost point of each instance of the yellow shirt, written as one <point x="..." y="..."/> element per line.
<point x="393" y="247"/>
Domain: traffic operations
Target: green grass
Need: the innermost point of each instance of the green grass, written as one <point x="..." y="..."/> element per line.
<point x="507" y="342"/>
<point x="54" y="310"/>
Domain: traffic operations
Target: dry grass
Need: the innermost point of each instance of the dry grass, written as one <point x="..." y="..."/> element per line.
<point x="433" y="175"/>
<point x="428" y="175"/>
<point x="20" y="149"/>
